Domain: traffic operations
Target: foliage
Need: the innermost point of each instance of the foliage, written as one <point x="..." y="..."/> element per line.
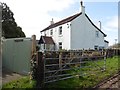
<point x="9" y="26"/>
<point x="115" y="45"/>
<point x="24" y="82"/>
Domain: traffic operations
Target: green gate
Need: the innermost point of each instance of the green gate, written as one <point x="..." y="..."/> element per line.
<point x="16" y="54"/>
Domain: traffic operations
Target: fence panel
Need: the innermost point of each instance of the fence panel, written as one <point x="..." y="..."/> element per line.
<point x="57" y="65"/>
<point x="17" y="54"/>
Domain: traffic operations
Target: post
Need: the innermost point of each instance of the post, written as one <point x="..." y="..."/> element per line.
<point x="33" y="60"/>
<point x="40" y="70"/>
<point x="60" y="60"/>
<point x="33" y="44"/>
<point x="0" y="45"/>
<point x="105" y="61"/>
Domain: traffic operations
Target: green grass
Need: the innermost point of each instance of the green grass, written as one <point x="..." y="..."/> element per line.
<point x="90" y="80"/>
<point x="86" y="81"/>
<point x="24" y="82"/>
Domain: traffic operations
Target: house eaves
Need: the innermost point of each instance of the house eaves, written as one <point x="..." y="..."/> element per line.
<point x="69" y="19"/>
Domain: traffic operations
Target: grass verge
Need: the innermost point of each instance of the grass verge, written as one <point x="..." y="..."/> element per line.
<point x="85" y="81"/>
<point x="24" y="82"/>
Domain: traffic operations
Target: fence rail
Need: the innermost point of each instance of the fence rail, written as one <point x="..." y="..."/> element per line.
<point x="56" y="65"/>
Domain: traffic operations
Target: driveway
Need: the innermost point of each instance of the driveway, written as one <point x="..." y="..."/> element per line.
<point x="8" y="76"/>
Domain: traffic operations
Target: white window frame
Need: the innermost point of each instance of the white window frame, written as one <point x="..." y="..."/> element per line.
<point x="60" y="30"/>
<point x="51" y="32"/>
<point x="60" y="45"/>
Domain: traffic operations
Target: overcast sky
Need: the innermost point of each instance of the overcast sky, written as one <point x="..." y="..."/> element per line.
<point x="35" y="15"/>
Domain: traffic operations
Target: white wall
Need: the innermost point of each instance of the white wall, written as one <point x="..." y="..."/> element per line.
<point x="106" y="45"/>
<point x="83" y="34"/>
<point x="80" y="35"/>
<point x="64" y="38"/>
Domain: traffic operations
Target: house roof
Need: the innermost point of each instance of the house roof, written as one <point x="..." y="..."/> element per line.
<point x="106" y="41"/>
<point x="46" y="40"/>
<point x="62" y="22"/>
<point x="70" y="19"/>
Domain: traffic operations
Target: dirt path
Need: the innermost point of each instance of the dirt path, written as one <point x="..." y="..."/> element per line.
<point x="112" y="82"/>
<point x="8" y="76"/>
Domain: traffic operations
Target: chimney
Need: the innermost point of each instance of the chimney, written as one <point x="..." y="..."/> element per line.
<point x="100" y="24"/>
<point x="51" y="22"/>
<point x="82" y="7"/>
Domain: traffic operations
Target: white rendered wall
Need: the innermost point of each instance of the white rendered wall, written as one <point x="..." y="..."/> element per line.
<point x="64" y="38"/>
<point x="83" y="34"/>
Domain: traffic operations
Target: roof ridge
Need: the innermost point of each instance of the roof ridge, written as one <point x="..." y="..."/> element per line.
<point x="63" y="21"/>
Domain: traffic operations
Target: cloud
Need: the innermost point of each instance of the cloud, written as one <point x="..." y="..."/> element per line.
<point x="110" y="27"/>
<point x="32" y="15"/>
<point x="111" y="24"/>
<point x="101" y="0"/>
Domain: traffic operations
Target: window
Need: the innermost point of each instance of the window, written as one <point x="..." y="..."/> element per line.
<point x="60" y="45"/>
<point x="67" y="25"/>
<point x="60" y="30"/>
<point x="51" y="32"/>
<point x="97" y="33"/>
<point x="96" y="47"/>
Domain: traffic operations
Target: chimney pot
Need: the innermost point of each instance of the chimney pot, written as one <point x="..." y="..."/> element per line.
<point x="52" y="22"/>
<point x="82" y="7"/>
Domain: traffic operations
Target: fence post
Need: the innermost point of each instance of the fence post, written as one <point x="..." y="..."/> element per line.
<point x="60" y="60"/>
<point x="105" y="60"/>
<point x="40" y="70"/>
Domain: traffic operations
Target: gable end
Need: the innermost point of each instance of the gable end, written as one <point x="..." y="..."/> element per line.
<point x="95" y="25"/>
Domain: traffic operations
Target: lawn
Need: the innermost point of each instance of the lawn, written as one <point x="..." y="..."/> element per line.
<point x="85" y="81"/>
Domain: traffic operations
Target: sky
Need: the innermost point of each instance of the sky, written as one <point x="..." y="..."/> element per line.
<point x="35" y="15"/>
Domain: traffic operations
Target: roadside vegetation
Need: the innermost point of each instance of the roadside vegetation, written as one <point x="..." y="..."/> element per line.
<point x="87" y="80"/>
<point x="24" y="82"/>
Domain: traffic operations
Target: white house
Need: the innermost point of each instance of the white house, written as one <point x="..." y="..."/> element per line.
<point x="75" y="32"/>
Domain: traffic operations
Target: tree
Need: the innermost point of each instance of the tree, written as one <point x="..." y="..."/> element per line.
<point x="9" y="26"/>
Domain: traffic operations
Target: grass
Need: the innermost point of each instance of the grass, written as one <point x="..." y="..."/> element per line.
<point x="24" y="82"/>
<point x="86" y="81"/>
<point x="90" y="80"/>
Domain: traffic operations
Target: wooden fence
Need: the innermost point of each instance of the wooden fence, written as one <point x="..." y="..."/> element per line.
<point x="54" y="65"/>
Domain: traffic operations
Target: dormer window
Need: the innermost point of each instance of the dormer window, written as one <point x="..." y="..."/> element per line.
<point x="51" y="32"/>
<point x="60" y="30"/>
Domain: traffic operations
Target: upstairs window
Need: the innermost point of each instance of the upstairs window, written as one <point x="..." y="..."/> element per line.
<point x="60" y="45"/>
<point x="97" y="34"/>
<point x="51" y="32"/>
<point x="60" y="30"/>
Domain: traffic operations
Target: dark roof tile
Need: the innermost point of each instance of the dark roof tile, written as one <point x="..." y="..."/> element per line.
<point x="46" y="40"/>
<point x="62" y="22"/>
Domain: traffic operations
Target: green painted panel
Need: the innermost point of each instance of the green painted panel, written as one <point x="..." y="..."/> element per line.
<point x="17" y="54"/>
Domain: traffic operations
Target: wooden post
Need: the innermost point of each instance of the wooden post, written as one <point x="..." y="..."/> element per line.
<point x="33" y="56"/>
<point x="105" y="60"/>
<point x="0" y="46"/>
<point x="60" y="60"/>
<point x="40" y="70"/>
<point x="33" y="44"/>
